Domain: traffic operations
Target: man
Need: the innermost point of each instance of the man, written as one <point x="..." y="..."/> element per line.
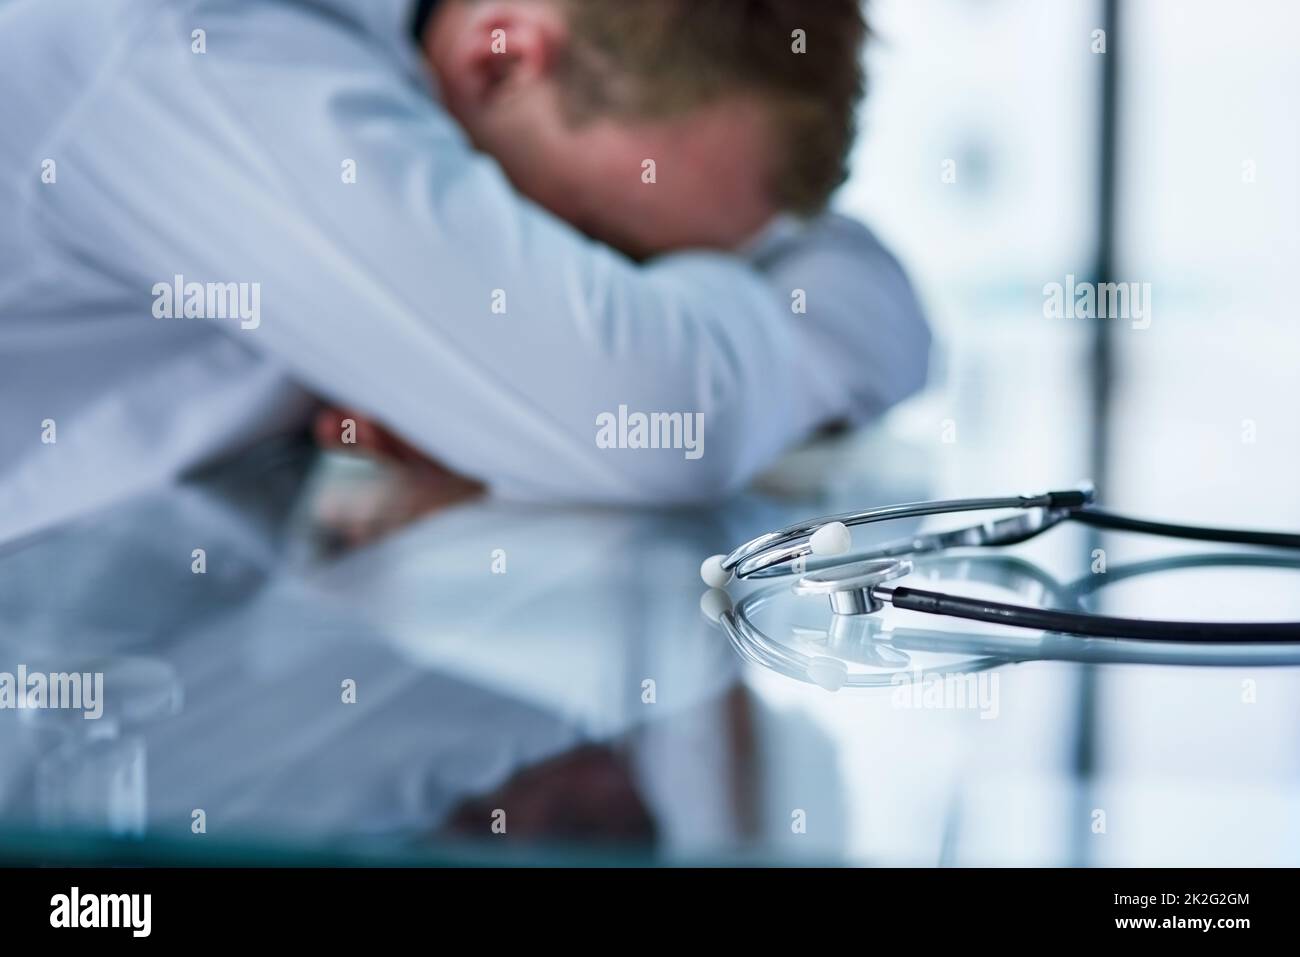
<point x="218" y="212"/>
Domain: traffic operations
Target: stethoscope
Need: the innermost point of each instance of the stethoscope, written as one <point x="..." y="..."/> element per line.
<point x="818" y="550"/>
<point x="864" y="651"/>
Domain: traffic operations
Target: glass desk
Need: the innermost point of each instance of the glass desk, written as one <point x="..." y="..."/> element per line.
<point x="371" y="671"/>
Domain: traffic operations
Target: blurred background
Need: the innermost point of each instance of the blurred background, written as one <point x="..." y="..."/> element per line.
<point x="1194" y="192"/>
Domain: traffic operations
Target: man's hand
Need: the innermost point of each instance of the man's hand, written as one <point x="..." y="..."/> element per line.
<point x="334" y="427"/>
<point x="413" y="484"/>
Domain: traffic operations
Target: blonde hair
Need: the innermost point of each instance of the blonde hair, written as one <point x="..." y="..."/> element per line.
<point x="659" y="58"/>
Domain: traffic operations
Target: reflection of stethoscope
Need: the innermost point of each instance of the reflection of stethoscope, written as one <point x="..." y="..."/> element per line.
<point x="830" y="670"/>
<point x="855" y="584"/>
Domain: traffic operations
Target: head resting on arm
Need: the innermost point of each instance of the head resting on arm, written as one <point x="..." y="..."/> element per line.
<point x="745" y="107"/>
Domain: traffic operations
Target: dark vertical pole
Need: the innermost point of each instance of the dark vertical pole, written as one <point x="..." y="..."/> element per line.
<point x="1104" y="261"/>
<point x="1101" y="385"/>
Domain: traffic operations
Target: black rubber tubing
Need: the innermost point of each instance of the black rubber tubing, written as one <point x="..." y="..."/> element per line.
<point x="1095" y="626"/>
<point x="1100" y="518"/>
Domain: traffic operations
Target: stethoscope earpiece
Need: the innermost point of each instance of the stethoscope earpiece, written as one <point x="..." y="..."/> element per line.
<point x="833" y="538"/>
<point x="714" y="575"/>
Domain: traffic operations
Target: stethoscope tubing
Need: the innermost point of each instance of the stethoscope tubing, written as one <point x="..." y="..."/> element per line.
<point x="1107" y="626"/>
<point x="1095" y="517"/>
<point x="1084" y="623"/>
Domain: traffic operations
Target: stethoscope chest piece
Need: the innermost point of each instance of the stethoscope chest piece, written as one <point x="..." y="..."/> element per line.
<point x="850" y="587"/>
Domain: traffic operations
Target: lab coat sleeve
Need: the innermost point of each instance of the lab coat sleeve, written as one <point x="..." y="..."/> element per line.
<point x="860" y="322"/>
<point x="399" y="274"/>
